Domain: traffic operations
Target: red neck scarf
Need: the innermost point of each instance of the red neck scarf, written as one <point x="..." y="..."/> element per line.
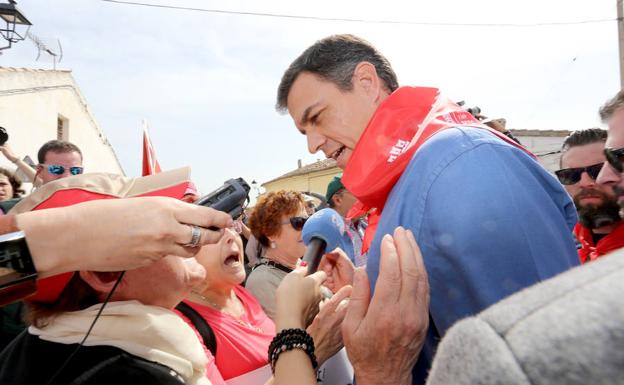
<point x="588" y="251"/>
<point x="401" y="124"/>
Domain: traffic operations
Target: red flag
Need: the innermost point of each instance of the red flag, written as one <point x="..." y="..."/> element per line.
<point x="150" y="164"/>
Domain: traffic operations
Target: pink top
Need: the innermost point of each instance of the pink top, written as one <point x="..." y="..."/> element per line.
<point x="242" y="344"/>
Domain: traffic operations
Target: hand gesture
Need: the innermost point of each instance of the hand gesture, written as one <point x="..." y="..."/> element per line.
<point x="297" y="298"/>
<point x="7" y="151"/>
<point x="326" y="326"/>
<point x="339" y="269"/>
<point x="384" y="337"/>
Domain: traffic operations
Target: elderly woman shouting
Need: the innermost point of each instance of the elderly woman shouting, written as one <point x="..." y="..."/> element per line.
<point x="276" y="221"/>
<point x="239" y="332"/>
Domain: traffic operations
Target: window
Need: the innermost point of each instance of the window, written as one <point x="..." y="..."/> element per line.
<point x="62" y="128"/>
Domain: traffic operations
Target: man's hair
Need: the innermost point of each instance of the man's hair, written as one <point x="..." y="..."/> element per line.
<point x="583" y="137"/>
<point x="612" y="105"/>
<point x="58" y="146"/>
<point x="334" y="59"/>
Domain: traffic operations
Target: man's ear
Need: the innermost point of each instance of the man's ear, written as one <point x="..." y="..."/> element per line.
<point x="100" y="282"/>
<point x="365" y="76"/>
<point x="336" y="199"/>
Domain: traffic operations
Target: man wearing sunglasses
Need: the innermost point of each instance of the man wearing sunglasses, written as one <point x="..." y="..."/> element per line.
<point x="612" y="113"/>
<point x="58" y="159"/>
<point x="600" y="229"/>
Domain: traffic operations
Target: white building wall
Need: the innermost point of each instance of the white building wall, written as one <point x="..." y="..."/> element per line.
<point x="31" y="101"/>
<point x="546" y="148"/>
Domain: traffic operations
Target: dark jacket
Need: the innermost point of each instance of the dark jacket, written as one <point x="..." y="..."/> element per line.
<point x="29" y="360"/>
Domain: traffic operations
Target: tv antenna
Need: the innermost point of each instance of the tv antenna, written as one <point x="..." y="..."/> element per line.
<point x="52" y="49"/>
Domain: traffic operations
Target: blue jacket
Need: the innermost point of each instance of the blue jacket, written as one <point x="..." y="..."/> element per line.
<point x="489" y="221"/>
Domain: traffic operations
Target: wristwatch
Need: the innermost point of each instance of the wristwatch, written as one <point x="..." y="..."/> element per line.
<point x="18" y="277"/>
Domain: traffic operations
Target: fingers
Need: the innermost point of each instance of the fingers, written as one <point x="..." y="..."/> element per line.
<point x="319" y="277"/>
<point x="341" y="299"/>
<point x="358" y="304"/>
<point x="414" y="270"/>
<point x="388" y="285"/>
<point x="183" y="235"/>
<point x="202" y="216"/>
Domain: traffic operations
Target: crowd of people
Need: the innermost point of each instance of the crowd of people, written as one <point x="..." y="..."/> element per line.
<point x="467" y="262"/>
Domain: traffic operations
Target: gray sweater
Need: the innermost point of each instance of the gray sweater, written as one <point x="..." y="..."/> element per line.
<point x="566" y="330"/>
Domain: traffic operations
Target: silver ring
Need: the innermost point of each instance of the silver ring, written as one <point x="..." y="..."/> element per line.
<point x="195" y="236"/>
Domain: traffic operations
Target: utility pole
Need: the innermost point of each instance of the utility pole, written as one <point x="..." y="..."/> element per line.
<point x="620" y="22"/>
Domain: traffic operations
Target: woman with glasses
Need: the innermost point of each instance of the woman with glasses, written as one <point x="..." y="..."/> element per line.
<point x="276" y="222"/>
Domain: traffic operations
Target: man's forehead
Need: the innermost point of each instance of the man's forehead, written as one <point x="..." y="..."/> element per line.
<point x="68" y="156"/>
<point x="306" y="91"/>
<point x="615" y="134"/>
<point x="583" y="155"/>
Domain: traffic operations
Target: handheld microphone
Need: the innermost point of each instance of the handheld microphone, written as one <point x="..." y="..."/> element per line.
<point x="324" y="231"/>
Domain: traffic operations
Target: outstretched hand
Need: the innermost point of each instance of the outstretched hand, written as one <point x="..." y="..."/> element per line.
<point x="384" y="336"/>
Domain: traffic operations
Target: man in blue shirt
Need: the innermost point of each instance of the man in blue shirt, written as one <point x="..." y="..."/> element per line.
<point x="488" y="218"/>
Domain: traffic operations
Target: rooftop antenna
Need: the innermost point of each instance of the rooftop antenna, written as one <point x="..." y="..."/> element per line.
<point x="56" y="53"/>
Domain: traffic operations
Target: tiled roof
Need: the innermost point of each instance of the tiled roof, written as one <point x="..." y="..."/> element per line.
<point x="15" y="69"/>
<point x="320" y="165"/>
<point x="551" y="133"/>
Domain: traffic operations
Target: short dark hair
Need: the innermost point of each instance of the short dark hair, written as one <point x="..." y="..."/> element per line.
<point x="334" y="59"/>
<point x="613" y="104"/>
<point x="583" y="137"/>
<point x="16" y="183"/>
<point x="58" y="146"/>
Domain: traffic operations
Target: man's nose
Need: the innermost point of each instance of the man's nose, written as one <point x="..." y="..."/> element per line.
<point x="315" y="141"/>
<point x="586" y="180"/>
<point x="608" y="175"/>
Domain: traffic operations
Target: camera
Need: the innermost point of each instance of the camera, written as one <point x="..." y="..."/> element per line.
<point x="229" y="198"/>
<point x="4" y="136"/>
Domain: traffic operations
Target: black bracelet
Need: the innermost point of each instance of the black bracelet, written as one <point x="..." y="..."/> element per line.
<point x="289" y="339"/>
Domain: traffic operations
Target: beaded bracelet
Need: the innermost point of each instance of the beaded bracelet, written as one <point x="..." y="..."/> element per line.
<point x="289" y="339"/>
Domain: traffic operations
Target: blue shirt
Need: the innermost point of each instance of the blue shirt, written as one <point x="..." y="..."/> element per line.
<point x="488" y="219"/>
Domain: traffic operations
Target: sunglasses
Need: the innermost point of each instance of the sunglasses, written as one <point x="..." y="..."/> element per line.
<point x="568" y="176"/>
<point x="296" y="222"/>
<point x="615" y="158"/>
<point x="56" y="169"/>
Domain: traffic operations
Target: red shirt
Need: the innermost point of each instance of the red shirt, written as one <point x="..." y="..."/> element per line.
<point x="588" y="251"/>
<point x="242" y="344"/>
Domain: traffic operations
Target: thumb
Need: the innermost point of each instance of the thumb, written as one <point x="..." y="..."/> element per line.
<point x="358" y="304"/>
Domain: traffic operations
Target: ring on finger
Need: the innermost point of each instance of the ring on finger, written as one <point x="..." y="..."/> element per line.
<point x="195" y="236"/>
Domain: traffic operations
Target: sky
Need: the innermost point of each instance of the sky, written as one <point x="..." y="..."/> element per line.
<point x="206" y="82"/>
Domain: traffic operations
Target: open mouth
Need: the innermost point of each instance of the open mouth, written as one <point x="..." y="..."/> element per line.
<point x="231" y="260"/>
<point x="337" y="153"/>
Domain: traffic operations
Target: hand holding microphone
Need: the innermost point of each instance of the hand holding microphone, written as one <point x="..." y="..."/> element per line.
<point x="323" y="232"/>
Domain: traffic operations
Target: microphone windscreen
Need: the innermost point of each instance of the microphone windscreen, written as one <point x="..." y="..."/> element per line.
<point x="328" y="225"/>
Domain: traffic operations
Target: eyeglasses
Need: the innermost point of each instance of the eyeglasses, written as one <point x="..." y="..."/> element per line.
<point x="296" y="222"/>
<point x="56" y="169"/>
<point x="615" y="157"/>
<point x="568" y="176"/>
